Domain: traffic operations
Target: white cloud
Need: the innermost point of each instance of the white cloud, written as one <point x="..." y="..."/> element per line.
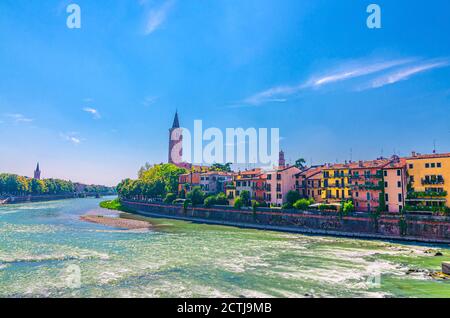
<point x="406" y="73"/>
<point x="71" y="137"/>
<point x="358" y="69"/>
<point x="19" y="118"/>
<point x="148" y="101"/>
<point x="94" y="112"/>
<point x="157" y="16"/>
<point x="346" y="71"/>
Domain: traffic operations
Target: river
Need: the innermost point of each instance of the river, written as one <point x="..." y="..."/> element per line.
<point x="47" y="251"/>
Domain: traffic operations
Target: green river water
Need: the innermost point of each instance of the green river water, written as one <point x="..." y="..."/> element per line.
<point x="43" y="245"/>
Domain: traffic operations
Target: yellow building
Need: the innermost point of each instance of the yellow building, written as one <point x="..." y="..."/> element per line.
<point x="429" y="180"/>
<point x="336" y="183"/>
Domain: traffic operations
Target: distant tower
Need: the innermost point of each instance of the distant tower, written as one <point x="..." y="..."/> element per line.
<point x="281" y="160"/>
<point x="175" y="142"/>
<point x="37" y="172"/>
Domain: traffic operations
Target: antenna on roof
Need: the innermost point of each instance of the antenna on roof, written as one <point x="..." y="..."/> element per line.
<point x="351" y="154"/>
<point x="434" y="146"/>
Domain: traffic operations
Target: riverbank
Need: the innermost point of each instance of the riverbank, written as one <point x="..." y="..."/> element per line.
<point x="425" y="229"/>
<point x="44" y="198"/>
<point x="117" y="222"/>
<point x="35" y="198"/>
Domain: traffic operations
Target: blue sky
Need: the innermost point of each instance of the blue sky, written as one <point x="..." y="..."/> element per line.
<point x="94" y="104"/>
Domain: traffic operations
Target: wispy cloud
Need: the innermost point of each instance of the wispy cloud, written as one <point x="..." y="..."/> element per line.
<point x="150" y="100"/>
<point x="406" y="73"/>
<point x="344" y="72"/>
<point x="157" y="16"/>
<point x="94" y="112"/>
<point x="71" y="137"/>
<point x="354" y="70"/>
<point x="18" y="118"/>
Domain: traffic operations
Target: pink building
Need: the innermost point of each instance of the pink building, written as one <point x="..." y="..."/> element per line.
<point x="366" y="183"/>
<point x="279" y="182"/>
<point x="395" y="181"/>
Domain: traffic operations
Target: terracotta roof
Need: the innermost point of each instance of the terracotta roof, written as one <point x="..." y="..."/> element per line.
<point x="429" y="156"/>
<point x="310" y="172"/>
<point x="397" y="165"/>
<point x="250" y="172"/>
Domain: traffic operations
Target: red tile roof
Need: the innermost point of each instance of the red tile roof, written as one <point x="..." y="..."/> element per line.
<point x="429" y="156"/>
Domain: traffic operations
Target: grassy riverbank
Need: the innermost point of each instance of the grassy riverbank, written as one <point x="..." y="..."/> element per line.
<point x="114" y="205"/>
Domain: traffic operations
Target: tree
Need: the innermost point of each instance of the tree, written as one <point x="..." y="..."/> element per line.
<point x="245" y="197"/>
<point x="348" y="207"/>
<point x="221" y="167"/>
<point x="302" y="204"/>
<point x="196" y="196"/>
<point x="238" y="204"/>
<point x="210" y="201"/>
<point x="170" y="197"/>
<point x="221" y="199"/>
<point x="300" y="163"/>
<point x="292" y="197"/>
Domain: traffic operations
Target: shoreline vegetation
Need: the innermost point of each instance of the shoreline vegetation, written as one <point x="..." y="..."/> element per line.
<point x="19" y="189"/>
<point x="125" y="220"/>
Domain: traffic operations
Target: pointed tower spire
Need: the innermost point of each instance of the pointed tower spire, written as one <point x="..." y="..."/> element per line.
<point x="37" y="172"/>
<point x="176" y="122"/>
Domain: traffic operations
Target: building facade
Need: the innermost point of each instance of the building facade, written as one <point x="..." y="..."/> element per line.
<point x="336" y="183"/>
<point x="278" y="183"/>
<point x="367" y="185"/>
<point x="428" y="178"/>
<point x="309" y="183"/>
<point x="395" y="185"/>
<point x="214" y="182"/>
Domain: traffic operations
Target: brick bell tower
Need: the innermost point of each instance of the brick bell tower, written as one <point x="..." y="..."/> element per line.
<point x="175" y="142"/>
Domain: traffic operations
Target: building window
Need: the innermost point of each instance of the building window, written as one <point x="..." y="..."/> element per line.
<point x="278" y="187"/>
<point x="439" y="165"/>
<point x="269" y="177"/>
<point x="368" y="196"/>
<point x="278" y="176"/>
<point x="385" y="184"/>
<point x="433" y="165"/>
<point x="411" y="178"/>
<point x="357" y="194"/>
<point x="399" y="184"/>
<point x="411" y="166"/>
<point x="386" y="197"/>
<point x="385" y="173"/>
<point x="427" y="165"/>
<point x="400" y="197"/>
<point x="399" y="172"/>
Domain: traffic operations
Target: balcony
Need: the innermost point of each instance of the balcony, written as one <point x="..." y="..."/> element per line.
<point x="425" y="196"/>
<point x="367" y="176"/>
<point x="439" y="181"/>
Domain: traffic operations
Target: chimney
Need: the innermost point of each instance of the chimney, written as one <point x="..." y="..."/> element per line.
<point x="413" y="153"/>
<point x="360" y="163"/>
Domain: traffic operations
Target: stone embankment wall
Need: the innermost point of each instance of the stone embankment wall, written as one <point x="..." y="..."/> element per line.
<point x="423" y="228"/>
